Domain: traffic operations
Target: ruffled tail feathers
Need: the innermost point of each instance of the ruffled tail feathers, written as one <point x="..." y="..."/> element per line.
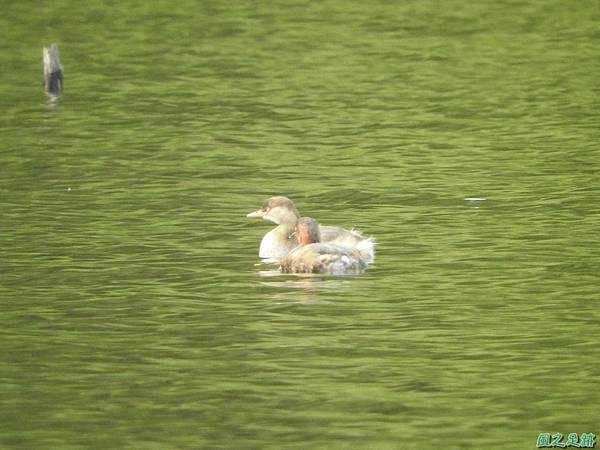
<point x="366" y="249"/>
<point x="356" y="241"/>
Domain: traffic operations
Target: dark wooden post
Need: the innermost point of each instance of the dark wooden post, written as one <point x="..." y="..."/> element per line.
<point x="53" y="71"/>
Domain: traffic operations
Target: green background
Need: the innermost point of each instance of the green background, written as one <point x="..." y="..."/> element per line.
<point x="134" y="311"/>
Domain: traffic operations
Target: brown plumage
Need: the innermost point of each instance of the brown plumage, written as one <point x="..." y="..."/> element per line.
<point x="312" y="256"/>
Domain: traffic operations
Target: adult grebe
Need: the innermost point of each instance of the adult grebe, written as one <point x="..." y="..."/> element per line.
<point x="313" y="256"/>
<point x="278" y="242"/>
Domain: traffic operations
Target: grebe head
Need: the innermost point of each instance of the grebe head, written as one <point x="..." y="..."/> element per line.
<point x="307" y="231"/>
<point x="279" y="210"/>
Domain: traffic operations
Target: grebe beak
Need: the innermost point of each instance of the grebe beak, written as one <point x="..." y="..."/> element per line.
<point x="256" y="214"/>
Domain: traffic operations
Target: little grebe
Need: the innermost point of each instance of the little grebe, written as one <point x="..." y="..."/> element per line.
<point x="278" y="242"/>
<point x="312" y="256"/>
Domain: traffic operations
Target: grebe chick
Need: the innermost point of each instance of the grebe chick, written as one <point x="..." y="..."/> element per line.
<point x="313" y="256"/>
<point x="278" y="242"/>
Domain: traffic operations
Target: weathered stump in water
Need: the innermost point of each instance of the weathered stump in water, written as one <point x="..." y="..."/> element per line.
<point x="53" y="71"/>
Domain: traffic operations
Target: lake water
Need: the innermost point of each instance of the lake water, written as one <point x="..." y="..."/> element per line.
<point x="135" y="313"/>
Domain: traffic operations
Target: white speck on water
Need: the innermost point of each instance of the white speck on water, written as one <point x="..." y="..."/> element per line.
<point x="474" y="199"/>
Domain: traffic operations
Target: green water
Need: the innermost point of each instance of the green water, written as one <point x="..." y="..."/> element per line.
<point x="134" y="311"/>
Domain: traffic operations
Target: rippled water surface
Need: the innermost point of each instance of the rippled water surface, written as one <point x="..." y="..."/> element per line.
<point x="463" y="135"/>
